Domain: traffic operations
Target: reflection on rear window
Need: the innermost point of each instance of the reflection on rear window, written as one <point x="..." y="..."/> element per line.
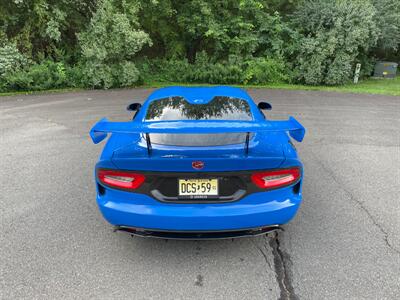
<point x="177" y="108"/>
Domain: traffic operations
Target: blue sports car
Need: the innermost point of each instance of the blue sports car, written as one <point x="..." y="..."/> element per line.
<point x="198" y="162"/>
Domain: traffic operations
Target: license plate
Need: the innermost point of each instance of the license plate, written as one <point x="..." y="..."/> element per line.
<point x="196" y="188"/>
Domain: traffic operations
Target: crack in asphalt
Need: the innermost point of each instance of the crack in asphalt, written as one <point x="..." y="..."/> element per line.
<point x="263" y="253"/>
<point x="360" y="204"/>
<point x="281" y="266"/>
<point x="283" y="274"/>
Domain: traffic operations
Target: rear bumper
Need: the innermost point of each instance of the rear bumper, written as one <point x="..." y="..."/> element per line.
<point x="256" y="210"/>
<point x="198" y="235"/>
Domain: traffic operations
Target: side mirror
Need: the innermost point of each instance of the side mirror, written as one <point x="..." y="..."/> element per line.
<point x="264" y="106"/>
<point x="134" y="106"/>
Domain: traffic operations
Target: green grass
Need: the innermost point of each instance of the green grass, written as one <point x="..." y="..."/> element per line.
<point x="51" y="91"/>
<point x="368" y="86"/>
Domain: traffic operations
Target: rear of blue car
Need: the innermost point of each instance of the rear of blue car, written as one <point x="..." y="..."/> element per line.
<point x="198" y="185"/>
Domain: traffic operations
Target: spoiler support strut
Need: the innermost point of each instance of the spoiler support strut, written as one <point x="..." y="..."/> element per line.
<point x="246" y="149"/>
<point x="148" y="143"/>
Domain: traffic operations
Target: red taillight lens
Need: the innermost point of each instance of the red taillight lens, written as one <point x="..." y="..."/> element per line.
<point x="120" y="179"/>
<point x="276" y="178"/>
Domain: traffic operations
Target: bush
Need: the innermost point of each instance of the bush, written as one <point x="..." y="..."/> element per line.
<point x="47" y="75"/>
<point x="205" y="70"/>
<point x="100" y="75"/>
<point x="11" y="59"/>
<point x="266" y="70"/>
<point x="75" y="76"/>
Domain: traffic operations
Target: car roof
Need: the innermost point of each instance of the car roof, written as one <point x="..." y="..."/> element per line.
<point x="199" y="95"/>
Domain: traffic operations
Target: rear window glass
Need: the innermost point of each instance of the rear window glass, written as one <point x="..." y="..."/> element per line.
<point x="177" y="108"/>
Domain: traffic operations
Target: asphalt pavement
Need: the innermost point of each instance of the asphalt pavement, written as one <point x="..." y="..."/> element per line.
<point x="343" y="244"/>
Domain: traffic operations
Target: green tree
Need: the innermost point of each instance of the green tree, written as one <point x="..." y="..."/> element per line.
<point x="333" y="36"/>
<point x="387" y="20"/>
<point x="45" y="28"/>
<point x="110" y="43"/>
<point x="219" y="27"/>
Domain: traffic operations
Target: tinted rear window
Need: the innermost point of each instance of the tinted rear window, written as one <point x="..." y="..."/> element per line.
<point x="177" y="108"/>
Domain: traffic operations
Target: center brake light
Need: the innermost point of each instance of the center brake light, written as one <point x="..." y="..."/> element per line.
<point x="120" y="179"/>
<point x="276" y="178"/>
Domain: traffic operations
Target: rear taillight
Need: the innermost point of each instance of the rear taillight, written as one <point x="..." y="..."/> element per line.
<point x="276" y="178"/>
<point x="120" y="179"/>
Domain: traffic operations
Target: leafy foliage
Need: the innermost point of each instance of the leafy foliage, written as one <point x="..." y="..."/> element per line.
<point x="46" y="75"/>
<point x="110" y="42"/>
<point x="387" y="20"/>
<point x="221" y="28"/>
<point x="263" y="70"/>
<point x="115" y="43"/>
<point x="11" y="59"/>
<point x="332" y="37"/>
<point x="234" y="70"/>
<point x="42" y="27"/>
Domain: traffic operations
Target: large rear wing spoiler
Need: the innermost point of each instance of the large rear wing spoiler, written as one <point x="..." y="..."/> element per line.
<point x="103" y="127"/>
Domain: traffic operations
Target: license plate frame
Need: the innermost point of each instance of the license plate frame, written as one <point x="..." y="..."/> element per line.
<point x="197" y="188"/>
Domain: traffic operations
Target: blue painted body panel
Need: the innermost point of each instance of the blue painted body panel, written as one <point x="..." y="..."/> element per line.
<point x="255" y="210"/>
<point x="269" y="148"/>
